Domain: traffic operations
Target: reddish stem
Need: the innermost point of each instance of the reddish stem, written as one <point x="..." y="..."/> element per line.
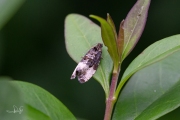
<point x="111" y="99"/>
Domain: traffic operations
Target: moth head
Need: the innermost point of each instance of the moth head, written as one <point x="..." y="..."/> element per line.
<point x="99" y="45"/>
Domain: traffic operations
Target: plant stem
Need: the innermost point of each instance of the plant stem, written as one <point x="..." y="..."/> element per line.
<point x="111" y="99"/>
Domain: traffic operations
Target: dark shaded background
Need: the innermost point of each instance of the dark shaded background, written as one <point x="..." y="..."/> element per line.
<point x="32" y="46"/>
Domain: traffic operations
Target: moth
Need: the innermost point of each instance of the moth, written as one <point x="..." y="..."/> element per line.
<point x="88" y="64"/>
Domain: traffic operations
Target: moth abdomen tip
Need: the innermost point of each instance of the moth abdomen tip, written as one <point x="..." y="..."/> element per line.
<point x="82" y="81"/>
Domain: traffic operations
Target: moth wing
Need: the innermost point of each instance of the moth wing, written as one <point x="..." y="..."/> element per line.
<point x="89" y="73"/>
<point x="81" y="66"/>
<point x="73" y="76"/>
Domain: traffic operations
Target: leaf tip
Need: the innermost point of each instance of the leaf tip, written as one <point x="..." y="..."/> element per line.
<point x="92" y="16"/>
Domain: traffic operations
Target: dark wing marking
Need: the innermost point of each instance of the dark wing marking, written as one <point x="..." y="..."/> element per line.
<point x="97" y="60"/>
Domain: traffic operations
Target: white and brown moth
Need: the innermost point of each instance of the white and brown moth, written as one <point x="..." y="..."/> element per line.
<point x="89" y="64"/>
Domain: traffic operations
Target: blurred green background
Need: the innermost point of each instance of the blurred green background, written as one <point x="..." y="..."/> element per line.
<point x="32" y="46"/>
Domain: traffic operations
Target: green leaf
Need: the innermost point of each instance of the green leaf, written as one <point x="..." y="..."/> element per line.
<point x="41" y="103"/>
<point x="134" y="25"/>
<point x="33" y="114"/>
<point x="111" y="23"/>
<point x="120" y="40"/>
<point x="120" y="37"/>
<point x="7" y="9"/>
<point x="109" y="40"/>
<point x="81" y="34"/>
<point x="151" y="92"/>
<point x="172" y="115"/>
<point x="10" y="97"/>
<point x="155" y="52"/>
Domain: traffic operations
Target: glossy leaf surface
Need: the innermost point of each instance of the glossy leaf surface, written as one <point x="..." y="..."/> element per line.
<point x="134" y="25"/>
<point x="155" y="52"/>
<point x="151" y="92"/>
<point x="42" y="104"/>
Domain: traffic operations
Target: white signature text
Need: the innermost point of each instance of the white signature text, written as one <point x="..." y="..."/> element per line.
<point x="16" y="110"/>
